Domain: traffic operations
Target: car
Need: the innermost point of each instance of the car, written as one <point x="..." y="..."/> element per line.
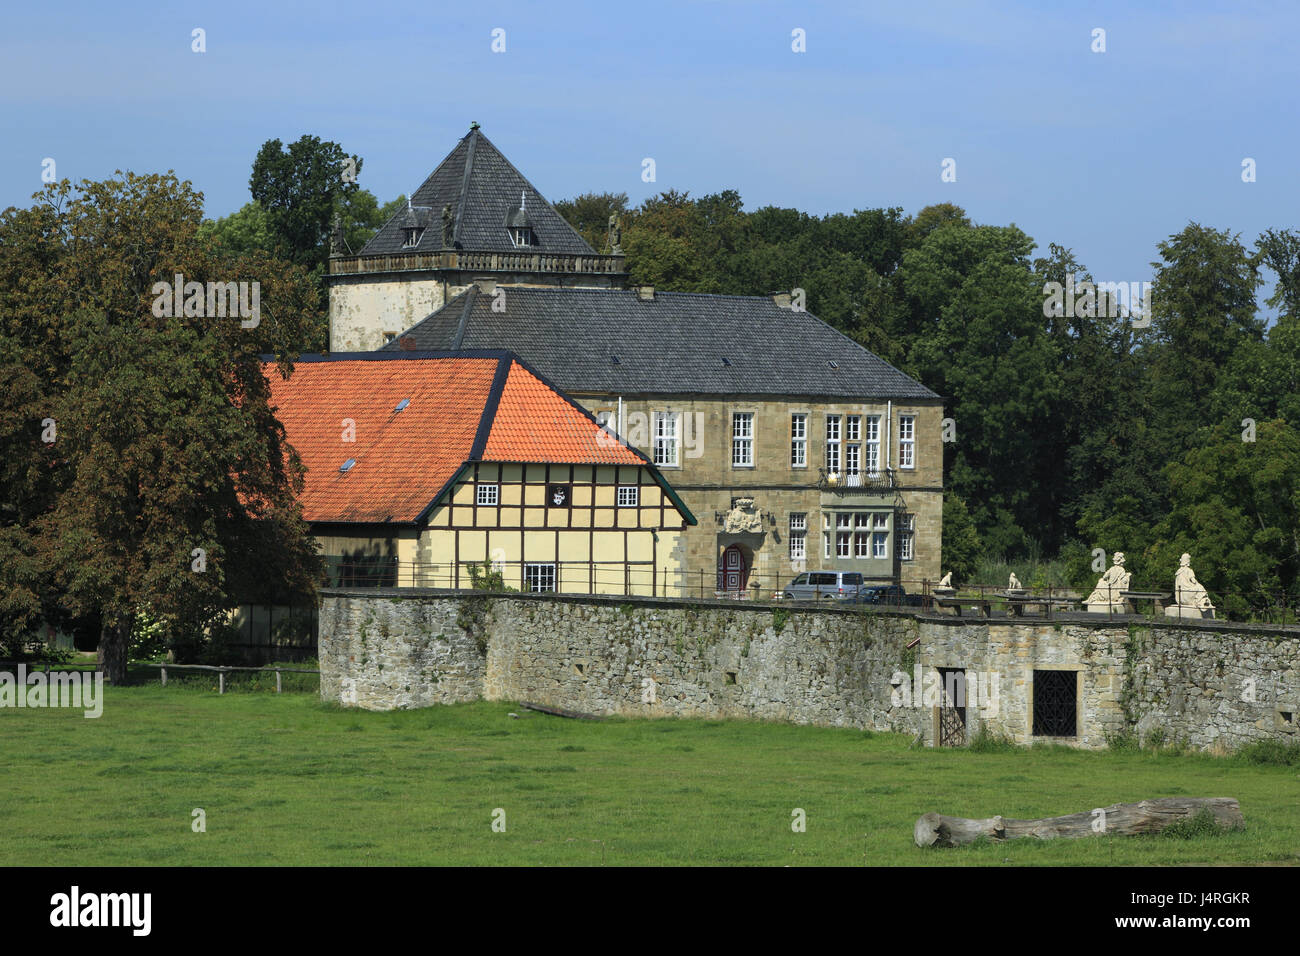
<point x="823" y="586"/>
<point x="887" y="595"/>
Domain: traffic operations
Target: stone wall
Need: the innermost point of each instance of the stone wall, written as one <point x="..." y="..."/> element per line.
<point x="1215" y="685"/>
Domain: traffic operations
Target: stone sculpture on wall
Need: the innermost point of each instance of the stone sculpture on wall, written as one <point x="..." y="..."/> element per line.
<point x="743" y="518"/>
<point x="1108" y="595"/>
<point x="1190" y="597"/>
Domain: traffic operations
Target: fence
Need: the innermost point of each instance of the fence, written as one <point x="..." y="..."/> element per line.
<point x="222" y="671"/>
<point x="647" y="579"/>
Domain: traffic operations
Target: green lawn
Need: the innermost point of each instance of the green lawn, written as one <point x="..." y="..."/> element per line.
<point x="285" y="779"/>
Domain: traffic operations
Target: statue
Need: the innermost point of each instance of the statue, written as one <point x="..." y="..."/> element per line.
<point x="448" y="225"/>
<point x="1108" y="595"/>
<point x="743" y="518"/>
<point x="945" y="581"/>
<point x="336" y="236"/>
<point x="615" y="236"/>
<point x="1190" y="597"/>
<point x="1013" y="583"/>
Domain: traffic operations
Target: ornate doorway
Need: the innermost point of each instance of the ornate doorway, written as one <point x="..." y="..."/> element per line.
<point x="733" y="573"/>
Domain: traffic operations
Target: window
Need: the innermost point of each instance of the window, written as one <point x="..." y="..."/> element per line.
<point x="629" y="496"/>
<point x="862" y="520"/>
<point x="411" y="237"/>
<point x="742" y="439"/>
<point x="906" y="528"/>
<point x="880" y="521"/>
<point x="389" y="336"/>
<point x="842" y="540"/>
<point x="539" y="577"/>
<point x="907" y="441"/>
<point x="832" y="444"/>
<point x="487" y="494"/>
<point x="799" y="440"/>
<point x="860" y="539"/>
<point x="826" y="544"/>
<point x="879" y="544"/>
<point x="665" y="439"/>
<point x="1055" y="704"/>
<point x="873" y="444"/>
<point x="852" y="459"/>
<point x="798" y="536"/>
<point x="522" y="236"/>
<point x="843" y="520"/>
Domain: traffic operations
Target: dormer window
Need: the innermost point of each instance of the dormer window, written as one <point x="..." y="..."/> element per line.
<point x="411" y="237"/>
<point x="520" y="226"/>
<point x="522" y="236"/>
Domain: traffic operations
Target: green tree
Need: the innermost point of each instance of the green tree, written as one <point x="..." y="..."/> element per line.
<point x="589" y="214"/>
<point x="961" y="541"/>
<point x="163" y="440"/>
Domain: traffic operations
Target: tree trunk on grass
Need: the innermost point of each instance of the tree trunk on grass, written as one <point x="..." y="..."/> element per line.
<point x="114" y="643"/>
<point x="1120" y="819"/>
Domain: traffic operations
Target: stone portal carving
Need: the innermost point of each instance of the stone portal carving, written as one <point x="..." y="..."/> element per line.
<point x="1190" y="597"/>
<point x="743" y="518"/>
<point x="1108" y="595"/>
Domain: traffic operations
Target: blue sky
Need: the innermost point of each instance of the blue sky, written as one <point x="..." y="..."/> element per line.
<point x="1107" y="153"/>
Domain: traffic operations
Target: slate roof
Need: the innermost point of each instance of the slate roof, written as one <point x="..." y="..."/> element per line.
<point x="483" y="189"/>
<point x="475" y="406"/>
<point x="613" y="342"/>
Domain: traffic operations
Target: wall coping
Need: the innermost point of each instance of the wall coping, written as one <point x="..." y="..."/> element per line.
<point x="1117" y="621"/>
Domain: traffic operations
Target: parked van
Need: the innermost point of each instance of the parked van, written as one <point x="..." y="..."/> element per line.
<point x="824" y="585"/>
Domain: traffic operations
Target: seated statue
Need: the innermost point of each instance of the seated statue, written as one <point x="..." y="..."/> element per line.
<point x="1013" y="583"/>
<point x="1108" y="595"/>
<point x="945" y="581"/>
<point x="1190" y="597"/>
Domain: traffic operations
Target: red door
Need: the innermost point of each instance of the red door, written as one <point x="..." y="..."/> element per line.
<point x="732" y="571"/>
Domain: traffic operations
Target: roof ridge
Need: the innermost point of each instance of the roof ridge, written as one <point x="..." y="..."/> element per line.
<point x="490" y="407"/>
<point x="464" y="317"/>
<point x="473" y="135"/>
<point x="445" y="160"/>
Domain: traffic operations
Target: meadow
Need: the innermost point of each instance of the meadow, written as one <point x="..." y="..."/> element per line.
<point x="286" y="779"/>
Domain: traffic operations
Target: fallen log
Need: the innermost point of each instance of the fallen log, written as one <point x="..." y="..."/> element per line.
<point x="558" y="711"/>
<point x="1119" y="819"/>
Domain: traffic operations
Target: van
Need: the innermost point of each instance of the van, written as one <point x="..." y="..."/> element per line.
<point x="824" y="586"/>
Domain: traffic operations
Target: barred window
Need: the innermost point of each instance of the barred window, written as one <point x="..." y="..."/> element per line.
<point x="539" y="577"/>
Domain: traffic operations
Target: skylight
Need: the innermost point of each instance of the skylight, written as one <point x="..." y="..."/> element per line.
<point x="347" y="465"/>
<point x="402" y="404"/>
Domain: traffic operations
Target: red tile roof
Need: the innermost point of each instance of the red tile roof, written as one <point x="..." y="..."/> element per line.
<point x="480" y="406"/>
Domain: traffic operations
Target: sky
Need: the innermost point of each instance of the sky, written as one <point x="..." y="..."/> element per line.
<point x="1106" y="153"/>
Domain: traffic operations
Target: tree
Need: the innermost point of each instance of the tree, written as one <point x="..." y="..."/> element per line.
<point x="589" y="214"/>
<point x="961" y="542"/>
<point x="300" y="188"/>
<point x="162" y="441"/>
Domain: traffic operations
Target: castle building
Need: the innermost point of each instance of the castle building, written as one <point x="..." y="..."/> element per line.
<point x="799" y="450"/>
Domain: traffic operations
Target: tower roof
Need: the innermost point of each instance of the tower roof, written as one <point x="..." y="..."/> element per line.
<point x="483" y="189"/>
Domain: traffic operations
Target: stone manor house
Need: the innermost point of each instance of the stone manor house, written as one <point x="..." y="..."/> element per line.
<point x="797" y="449"/>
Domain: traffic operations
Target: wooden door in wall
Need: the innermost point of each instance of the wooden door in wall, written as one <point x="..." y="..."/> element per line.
<point x="732" y="572"/>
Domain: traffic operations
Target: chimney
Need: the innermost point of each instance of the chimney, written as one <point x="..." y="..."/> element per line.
<point x="646" y="293"/>
<point x="782" y="299"/>
<point x="486" y="284"/>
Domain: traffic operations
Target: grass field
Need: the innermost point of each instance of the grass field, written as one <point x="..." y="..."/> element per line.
<point x="285" y="779"/>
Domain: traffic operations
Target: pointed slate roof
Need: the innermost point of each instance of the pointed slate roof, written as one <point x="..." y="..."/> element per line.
<point x="613" y="341"/>
<point x="483" y="189"/>
<point x="481" y="405"/>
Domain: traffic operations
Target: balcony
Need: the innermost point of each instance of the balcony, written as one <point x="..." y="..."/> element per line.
<point x="857" y="483"/>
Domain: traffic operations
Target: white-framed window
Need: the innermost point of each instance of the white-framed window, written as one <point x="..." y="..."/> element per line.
<point x="852" y="458"/>
<point x="799" y="440"/>
<point x="522" y="236"/>
<point x="629" y="496"/>
<point x="906" y="533"/>
<point x="879" y="544"/>
<point x="411" y="237"/>
<point x="798" y="535"/>
<point x="906" y="441"/>
<point x="842" y="542"/>
<point x="826" y="544"/>
<point x="873" y="445"/>
<point x="488" y="495"/>
<point x="880" y="521"/>
<point x="665" y="439"/>
<point x="742" y="439"/>
<point x="853" y="428"/>
<point x="539" y="577"/>
<point x="862" y="520"/>
<point x="860" y="544"/>
<point x="832" y="444"/>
